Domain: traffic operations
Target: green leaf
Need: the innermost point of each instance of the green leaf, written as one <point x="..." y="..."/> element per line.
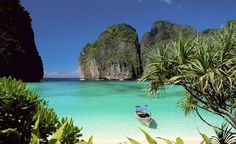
<point x="82" y="142"/>
<point x="56" y="137"/>
<point x="166" y="140"/>
<point x="132" y="141"/>
<point x="90" y="141"/>
<point x="206" y="140"/>
<point x="35" y="135"/>
<point x="148" y="137"/>
<point x="26" y="107"/>
<point x="175" y="78"/>
<point x="9" y="130"/>
<point x="179" y="140"/>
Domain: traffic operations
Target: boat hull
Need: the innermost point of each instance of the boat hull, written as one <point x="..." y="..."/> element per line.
<point x="145" y="121"/>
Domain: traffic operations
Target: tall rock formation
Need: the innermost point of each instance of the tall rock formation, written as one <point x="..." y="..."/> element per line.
<point x="233" y="22"/>
<point x="209" y="32"/>
<point x="19" y="57"/>
<point x="163" y="32"/>
<point x="114" y="55"/>
<point x="215" y="31"/>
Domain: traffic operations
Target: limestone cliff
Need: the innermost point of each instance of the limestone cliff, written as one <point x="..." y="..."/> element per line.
<point x="114" y="55"/>
<point x="19" y="57"/>
<point x="209" y="32"/>
<point x="163" y="32"/>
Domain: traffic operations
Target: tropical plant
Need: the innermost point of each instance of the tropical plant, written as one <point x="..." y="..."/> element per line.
<point x="148" y="138"/>
<point x="90" y="141"/>
<point x="206" y="68"/>
<point x="71" y="133"/>
<point x="178" y="140"/>
<point x="225" y="135"/>
<point x="22" y="112"/>
<point x="60" y="136"/>
<point x="18" y="105"/>
<point x="48" y="122"/>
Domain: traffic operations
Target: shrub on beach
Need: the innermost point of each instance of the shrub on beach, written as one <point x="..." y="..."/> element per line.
<point x="19" y="110"/>
<point x="18" y="106"/>
<point x="70" y="132"/>
<point x="223" y="136"/>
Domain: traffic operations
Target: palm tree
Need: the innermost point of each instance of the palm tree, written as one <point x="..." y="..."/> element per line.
<point x="223" y="135"/>
<point x="205" y="67"/>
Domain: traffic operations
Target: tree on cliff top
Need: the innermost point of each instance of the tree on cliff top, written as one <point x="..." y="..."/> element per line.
<point x="205" y="68"/>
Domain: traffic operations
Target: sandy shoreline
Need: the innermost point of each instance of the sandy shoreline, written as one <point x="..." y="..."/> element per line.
<point x="142" y="141"/>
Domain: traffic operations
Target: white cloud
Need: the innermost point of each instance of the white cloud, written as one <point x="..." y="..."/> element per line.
<point x="69" y="74"/>
<point x="167" y="1"/>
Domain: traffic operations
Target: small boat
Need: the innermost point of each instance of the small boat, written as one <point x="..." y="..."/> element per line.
<point x="143" y="115"/>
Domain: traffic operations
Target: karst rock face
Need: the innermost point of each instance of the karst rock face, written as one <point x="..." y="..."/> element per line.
<point x="163" y="32"/>
<point x="19" y="57"/>
<point x="233" y="22"/>
<point x="114" y="55"/>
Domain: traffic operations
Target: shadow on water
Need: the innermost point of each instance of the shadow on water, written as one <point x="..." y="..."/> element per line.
<point x="153" y="124"/>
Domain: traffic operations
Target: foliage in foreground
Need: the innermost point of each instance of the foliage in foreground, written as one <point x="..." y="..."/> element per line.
<point x="222" y="137"/>
<point x="206" y="68"/>
<point x="20" y="109"/>
<point x="60" y="136"/>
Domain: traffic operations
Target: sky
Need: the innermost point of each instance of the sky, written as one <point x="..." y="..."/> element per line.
<point x="63" y="27"/>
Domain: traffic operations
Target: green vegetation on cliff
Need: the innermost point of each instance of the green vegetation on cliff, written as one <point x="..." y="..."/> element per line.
<point x="118" y="46"/>
<point x="164" y="31"/>
<point x="19" y="57"/>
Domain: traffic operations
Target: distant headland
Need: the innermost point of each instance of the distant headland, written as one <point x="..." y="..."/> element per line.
<point x="118" y="55"/>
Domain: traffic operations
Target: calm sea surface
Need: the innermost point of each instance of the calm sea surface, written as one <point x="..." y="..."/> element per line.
<point x="105" y="109"/>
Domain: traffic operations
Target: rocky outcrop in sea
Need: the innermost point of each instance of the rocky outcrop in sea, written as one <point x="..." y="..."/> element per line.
<point x="162" y="32"/>
<point x="19" y="57"/>
<point x="165" y="31"/>
<point x="115" y="55"/>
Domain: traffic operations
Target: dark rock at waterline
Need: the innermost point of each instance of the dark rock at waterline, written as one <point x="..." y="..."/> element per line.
<point x="114" y="55"/>
<point x="19" y="57"/>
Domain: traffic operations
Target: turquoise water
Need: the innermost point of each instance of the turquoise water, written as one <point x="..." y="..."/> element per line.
<point x="105" y="109"/>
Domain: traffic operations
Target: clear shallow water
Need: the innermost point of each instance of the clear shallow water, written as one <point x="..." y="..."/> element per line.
<point x="105" y="109"/>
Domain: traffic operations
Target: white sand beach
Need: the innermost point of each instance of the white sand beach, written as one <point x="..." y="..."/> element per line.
<point x="142" y="141"/>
